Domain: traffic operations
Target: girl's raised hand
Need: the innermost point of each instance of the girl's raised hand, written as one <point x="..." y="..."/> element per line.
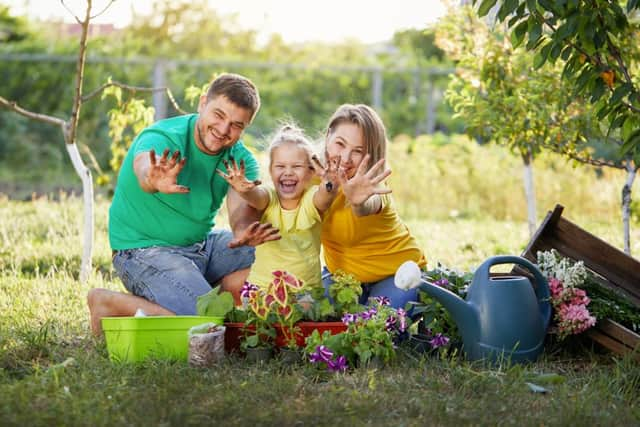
<point x="364" y="183"/>
<point x="235" y="176"/>
<point x="329" y="174"/>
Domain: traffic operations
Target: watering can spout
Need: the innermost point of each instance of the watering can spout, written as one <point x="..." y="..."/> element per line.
<point x="463" y="313"/>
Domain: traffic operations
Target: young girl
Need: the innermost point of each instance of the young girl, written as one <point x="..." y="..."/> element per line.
<point x="291" y="205"/>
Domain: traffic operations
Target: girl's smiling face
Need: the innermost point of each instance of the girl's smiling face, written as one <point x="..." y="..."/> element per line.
<point x="291" y="173"/>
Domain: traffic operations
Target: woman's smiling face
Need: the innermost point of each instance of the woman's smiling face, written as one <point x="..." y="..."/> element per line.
<point x="347" y="142"/>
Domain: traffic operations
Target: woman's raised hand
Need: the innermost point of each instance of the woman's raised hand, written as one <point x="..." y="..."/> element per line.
<point x="364" y="183"/>
<point x="162" y="175"/>
<point x="235" y="176"/>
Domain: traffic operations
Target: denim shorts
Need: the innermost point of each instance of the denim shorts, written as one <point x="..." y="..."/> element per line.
<point x="175" y="276"/>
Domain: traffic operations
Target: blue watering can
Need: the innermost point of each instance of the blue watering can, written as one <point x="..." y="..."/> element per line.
<point x="503" y="317"/>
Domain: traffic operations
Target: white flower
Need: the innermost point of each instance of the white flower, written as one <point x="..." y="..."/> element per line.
<point x="407" y="276"/>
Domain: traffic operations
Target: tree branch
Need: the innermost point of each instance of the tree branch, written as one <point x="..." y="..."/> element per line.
<point x="12" y="105"/>
<point x="103" y="10"/>
<point x="70" y="135"/>
<point x="71" y="12"/>
<point x="134" y="89"/>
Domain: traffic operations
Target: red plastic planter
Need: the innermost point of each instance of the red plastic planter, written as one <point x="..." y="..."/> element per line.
<point x="234" y="333"/>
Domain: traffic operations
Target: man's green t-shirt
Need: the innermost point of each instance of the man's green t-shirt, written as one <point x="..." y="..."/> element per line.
<point x="138" y="219"/>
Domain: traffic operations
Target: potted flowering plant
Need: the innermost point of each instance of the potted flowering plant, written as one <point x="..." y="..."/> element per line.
<point x="274" y="311"/>
<point x="370" y="337"/>
<point x="258" y="332"/>
<point x="324" y="313"/>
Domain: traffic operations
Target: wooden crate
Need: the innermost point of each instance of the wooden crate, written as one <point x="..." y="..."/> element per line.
<point x="612" y="267"/>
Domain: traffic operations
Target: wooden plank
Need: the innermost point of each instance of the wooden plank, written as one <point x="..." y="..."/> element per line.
<point x="619" y="332"/>
<point x="608" y="342"/>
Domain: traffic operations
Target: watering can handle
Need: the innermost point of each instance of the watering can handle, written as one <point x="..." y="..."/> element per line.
<point x="541" y="288"/>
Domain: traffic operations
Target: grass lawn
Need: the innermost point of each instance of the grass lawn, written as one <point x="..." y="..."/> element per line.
<point x="52" y="372"/>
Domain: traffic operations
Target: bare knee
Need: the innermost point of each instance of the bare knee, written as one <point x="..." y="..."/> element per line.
<point x="95" y="297"/>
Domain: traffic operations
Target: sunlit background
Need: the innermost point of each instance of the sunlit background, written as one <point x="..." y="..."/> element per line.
<point x="297" y="21"/>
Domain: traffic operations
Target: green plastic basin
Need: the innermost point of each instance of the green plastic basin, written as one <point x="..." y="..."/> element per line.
<point x="134" y="339"/>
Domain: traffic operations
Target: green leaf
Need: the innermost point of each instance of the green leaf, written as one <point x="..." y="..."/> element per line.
<point x="215" y="304"/>
<point x="549" y="378"/>
<point x="556" y="48"/>
<point x="631" y="4"/>
<point x="620" y="93"/>
<point x="485" y="7"/>
<point x="507" y="8"/>
<point x="541" y="56"/>
<point x="517" y="35"/>
<point x="631" y="143"/>
<point x="535" y="32"/>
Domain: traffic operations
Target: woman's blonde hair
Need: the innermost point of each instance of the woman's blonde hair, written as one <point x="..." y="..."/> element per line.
<point x="369" y="122"/>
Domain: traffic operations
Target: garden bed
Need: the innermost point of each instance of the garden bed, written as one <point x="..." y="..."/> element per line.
<point x="612" y="269"/>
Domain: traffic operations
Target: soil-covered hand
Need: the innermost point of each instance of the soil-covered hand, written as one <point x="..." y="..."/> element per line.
<point x="256" y="234"/>
<point x="236" y="178"/>
<point x="162" y="175"/>
<point x="330" y="174"/>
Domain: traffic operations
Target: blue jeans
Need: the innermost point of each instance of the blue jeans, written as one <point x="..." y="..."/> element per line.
<point x="175" y="276"/>
<point x="386" y="287"/>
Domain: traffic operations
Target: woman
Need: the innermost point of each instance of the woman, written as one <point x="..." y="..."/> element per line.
<point x="361" y="231"/>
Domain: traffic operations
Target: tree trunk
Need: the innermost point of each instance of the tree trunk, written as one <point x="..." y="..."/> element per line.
<point x="87" y="195"/>
<point x="626" y="204"/>
<point x="529" y="191"/>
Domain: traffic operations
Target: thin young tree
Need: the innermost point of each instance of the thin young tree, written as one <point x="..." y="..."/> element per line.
<point x="69" y="126"/>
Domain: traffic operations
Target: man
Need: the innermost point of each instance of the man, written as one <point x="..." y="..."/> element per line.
<point x="164" y="207"/>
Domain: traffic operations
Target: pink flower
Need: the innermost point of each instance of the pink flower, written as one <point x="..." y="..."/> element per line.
<point x="556" y="288"/>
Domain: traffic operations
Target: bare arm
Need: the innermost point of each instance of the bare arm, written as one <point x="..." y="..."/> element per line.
<point x="159" y="175"/>
<point x="251" y="191"/>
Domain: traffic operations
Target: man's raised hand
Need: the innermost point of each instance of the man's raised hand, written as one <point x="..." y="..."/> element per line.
<point x="162" y="175"/>
<point x="256" y="234"/>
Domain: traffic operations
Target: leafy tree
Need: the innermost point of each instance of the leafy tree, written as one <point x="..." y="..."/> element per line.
<point x="597" y="42"/>
<point x="500" y="97"/>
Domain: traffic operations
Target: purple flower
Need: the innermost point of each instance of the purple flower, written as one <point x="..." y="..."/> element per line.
<point x="443" y="283"/>
<point x="338" y="365"/>
<point x="403" y="319"/>
<point x="390" y="323"/>
<point x="247" y="288"/>
<point x="349" y="318"/>
<point x="322" y="354"/>
<point x="438" y="341"/>
<point x="382" y="300"/>
<point x="365" y="315"/>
